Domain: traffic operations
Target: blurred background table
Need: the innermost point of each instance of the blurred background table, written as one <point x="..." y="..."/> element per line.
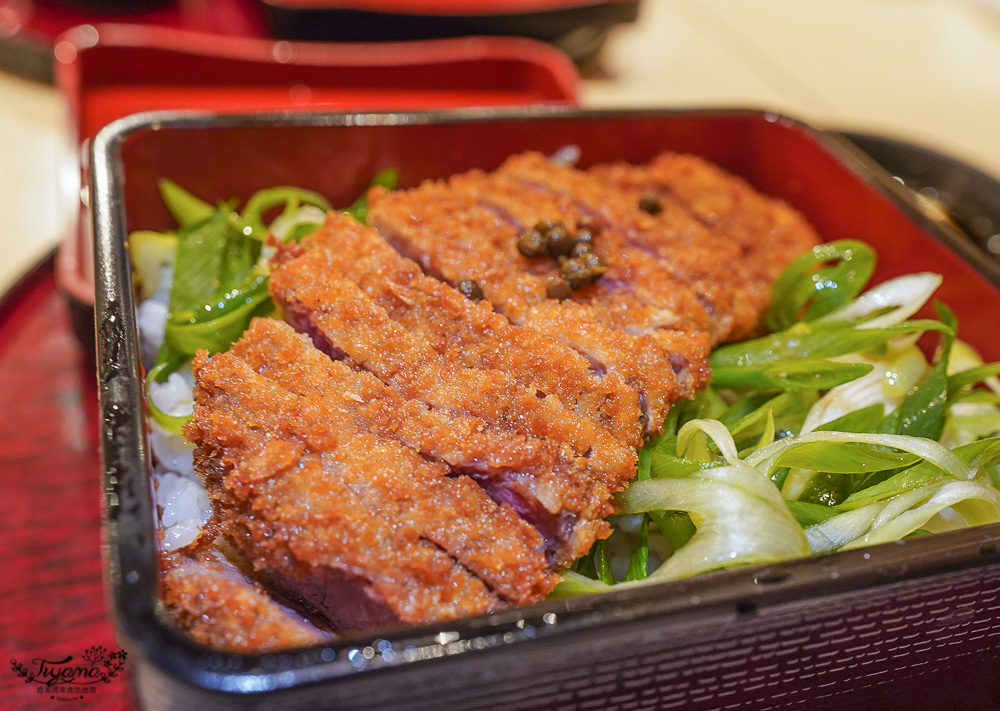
<point x="925" y="71"/>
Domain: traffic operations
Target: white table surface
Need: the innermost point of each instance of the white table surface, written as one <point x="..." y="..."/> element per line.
<point x="927" y="71"/>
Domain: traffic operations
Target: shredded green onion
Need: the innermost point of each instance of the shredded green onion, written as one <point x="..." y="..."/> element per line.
<point x="829" y="433"/>
<point x="171" y="423"/>
<point x="388" y="178"/>
<point x="186" y="209"/>
<point x="250" y="222"/>
<point x="819" y="282"/>
<point x="219" y="268"/>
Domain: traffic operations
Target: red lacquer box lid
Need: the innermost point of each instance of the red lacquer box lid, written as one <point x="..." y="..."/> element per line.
<point x="110" y="71"/>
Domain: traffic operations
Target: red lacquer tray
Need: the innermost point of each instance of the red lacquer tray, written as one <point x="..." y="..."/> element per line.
<point x="29" y="29"/>
<point x="54" y="605"/>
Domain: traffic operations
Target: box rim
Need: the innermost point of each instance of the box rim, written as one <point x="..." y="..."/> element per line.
<point x="131" y="568"/>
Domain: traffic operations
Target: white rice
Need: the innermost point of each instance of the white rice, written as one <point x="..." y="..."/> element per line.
<point x="567" y="155"/>
<point x="183" y="506"/>
<point x="184" y="509"/>
<point x="151" y="320"/>
<point x="173" y="397"/>
<point x="151" y="316"/>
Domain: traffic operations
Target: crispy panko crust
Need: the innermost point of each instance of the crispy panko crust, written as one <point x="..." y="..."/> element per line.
<point x="470" y="334"/>
<point x="591" y="463"/>
<point x="454" y="237"/>
<point x="768" y="233"/>
<point x="304" y="499"/>
<point x="667" y="261"/>
<point x="222" y="608"/>
<point x="488" y="539"/>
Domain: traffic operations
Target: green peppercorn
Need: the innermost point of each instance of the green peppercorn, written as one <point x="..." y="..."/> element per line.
<point x="545" y="226"/>
<point x="471" y="289"/>
<point x="532" y="243"/>
<point x="580" y="248"/>
<point x="560" y="241"/>
<point x="576" y="272"/>
<point x="596" y="264"/>
<point x="585" y="236"/>
<point x="650" y="203"/>
<point x="556" y="288"/>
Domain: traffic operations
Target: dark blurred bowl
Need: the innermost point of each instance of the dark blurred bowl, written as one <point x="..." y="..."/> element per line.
<point x="577" y="27"/>
<point x="968" y="197"/>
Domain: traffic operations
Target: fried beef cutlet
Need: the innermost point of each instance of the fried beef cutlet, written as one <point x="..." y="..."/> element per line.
<point x="661" y="367"/>
<point x="591" y="464"/>
<point x="222" y="608"/>
<point x="466" y="445"/>
<point x="453" y="237"/>
<point x="632" y="276"/>
<point x="769" y="233"/>
<point x="463" y="443"/>
<point x="346" y="523"/>
<point x="465" y="332"/>
<point x="428" y="457"/>
<point x="663" y="255"/>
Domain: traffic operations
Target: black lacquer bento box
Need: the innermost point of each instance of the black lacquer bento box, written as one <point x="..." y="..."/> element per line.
<point x="909" y="625"/>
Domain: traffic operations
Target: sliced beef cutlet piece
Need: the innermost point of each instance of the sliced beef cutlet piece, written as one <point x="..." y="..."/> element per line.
<point x="343" y="523"/>
<point x="223" y="608"/>
<point x="770" y="234"/>
<point x="465" y="444"/>
<point x="661" y="259"/>
<point x="497" y="545"/>
<point x="592" y="463"/>
<point x="464" y="332"/>
<point x="480" y="238"/>
<point x="662" y="367"/>
<point x="452" y="237"/>
<point x="668" y="244"/>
